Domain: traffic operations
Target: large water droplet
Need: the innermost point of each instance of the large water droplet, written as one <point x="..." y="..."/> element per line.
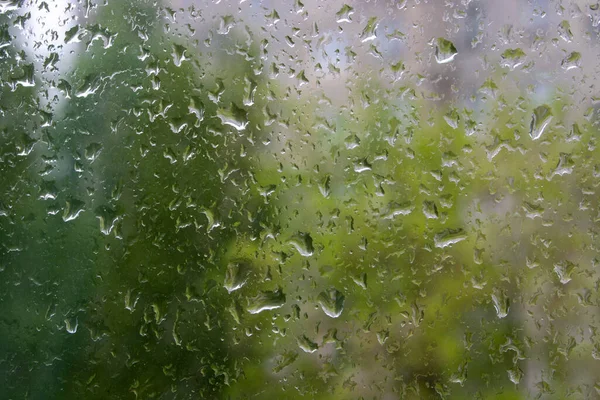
<point x="71" y="325"/>
<point x="448" y="237"/>
<point x="233" y="116"/>
<point x="501" y="303"/>
<point x="266" y="300"/>
<point x="73" y="208"/>
<point x="394" y="209"/>
<point x="564" y="31"/>
<point x="564" y="271"/>
<point x="572" y="61"/>
<point x="9" y="5"/>
<point x="540" y="119"/>
<point x="512" y="58"/>
<point x="178" y="54"/>
<point x="92" y="151"/>
<point x="303" y="243"/>
<point x="564" y="166"/>
<point x="307" y="345"/>
<point x="236" y="275"/>
<point x="331" y="302"/>
<point x="344" y="14"/>
<point x="445" y="51"/>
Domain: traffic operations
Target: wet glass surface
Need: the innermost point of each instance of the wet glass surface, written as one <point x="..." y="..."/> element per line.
<point x="299" y="199"/>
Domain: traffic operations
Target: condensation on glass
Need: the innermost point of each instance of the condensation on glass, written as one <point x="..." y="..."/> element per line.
<point x="299" y="199"/>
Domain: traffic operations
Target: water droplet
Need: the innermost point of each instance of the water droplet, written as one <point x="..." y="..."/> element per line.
<point x="572" y="61"/>
<point x="540" y="119"/>
<point x="196" y="107"/>
<point x="234" y="116"/>
<point x="73" y="34"/>
<point x="73" y="208"/>
<point x="533" y="210"/>
<point x="48" y="190"/>
<point x="71" y="325"/>
<point x="369" y="33"/>
<point x="448" y="237"/>
<point x="398" y="70"/>
<point x="515" y="375"/>
<point x="565" y="165"/>
<point x="178" y="54"/>
<point x="564" y="31"/>
<point x="564" y="270"/>
<point x="395" y="209"/>
<point x="512" y="58"/>
<point x="489" y="88"/>
<point x="362" y="165"/>
<point x="452" y="118"/>
<point x="501" y="303"/>
<point x="226" y="23"/>
<point x="266" y="300"/>
<point x="360" y="280"/>
<point x="286" y="359"/>
<point x="307" y="345"/>
<point x="383" y="336"/>
<point x="331" y="302"/>
<point x="303" y="243"/>
<point x="325" y="186"/>
<point x="430" y="210"/>
<point x="445" y="51"/>
<point x="131" y="299"/>
<point x="574" y="134"/>
<point x="343" y="15"/>
<point x="88" y="87"/>
<point x="108" y="219"/>
<point x="92" y="151"/>
<point x="236" y="275"/>
<point x="25" y="79"/>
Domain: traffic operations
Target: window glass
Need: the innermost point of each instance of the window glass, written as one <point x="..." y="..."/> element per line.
<point x="240" y="199"/>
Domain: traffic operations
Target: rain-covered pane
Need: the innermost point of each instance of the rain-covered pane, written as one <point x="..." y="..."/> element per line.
<point x="299" y="199"/>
